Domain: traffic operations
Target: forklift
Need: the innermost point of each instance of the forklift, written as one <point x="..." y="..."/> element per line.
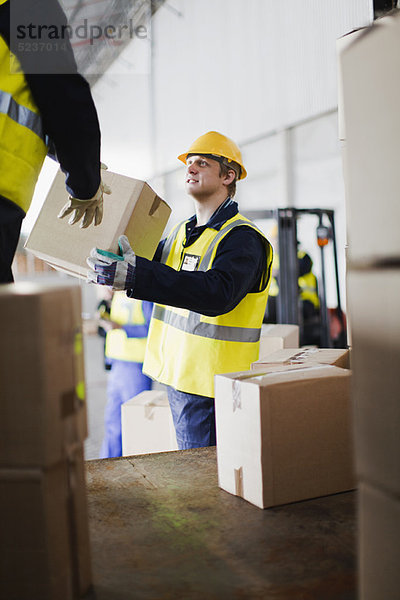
<point x="289" y="308"/>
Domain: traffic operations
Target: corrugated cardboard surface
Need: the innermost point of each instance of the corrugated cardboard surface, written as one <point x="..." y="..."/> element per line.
<point x="379" y="548"/>
<point x="44" y="542"/>
<point x="371" y="95"/>
<point x="147" y="424"/>
<point x="374" y="307"/>
<point x="341" y="44"/>
<point x="285" y="435"/>
<point x="133" y="209"/>
<point x="306" y="356"/>
<point x="41" y="365"/>
<point x="275" y="337"/>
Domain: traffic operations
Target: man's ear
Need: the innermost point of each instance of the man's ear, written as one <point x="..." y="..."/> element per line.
<point x="229" y="177"/>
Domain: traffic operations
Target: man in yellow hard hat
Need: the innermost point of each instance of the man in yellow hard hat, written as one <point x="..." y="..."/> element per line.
<point x="209" y="279"/>
<point x="43" y="112"/>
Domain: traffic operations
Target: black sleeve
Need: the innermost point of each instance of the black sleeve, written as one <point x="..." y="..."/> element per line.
<point x="158" y="252"/>
<point x="238" y="268"/>
<point x="305" y="264"/>
<point x="65" y="103"/>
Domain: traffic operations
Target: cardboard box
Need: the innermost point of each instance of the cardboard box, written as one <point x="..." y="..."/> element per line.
<point x="305" y="357"/>
<point x="374" y="308"/>
<point x="286" y="435"/>
<point x="147" y="424"/>
<point x="369" y="69"/>
<point x="43" y="408"/>
<point x="275" y="337"/>
<point x="133" y="209"/>
<point x="44" y="542"/>
<point x="341" y="44"/>
<point x="379" y="548"/>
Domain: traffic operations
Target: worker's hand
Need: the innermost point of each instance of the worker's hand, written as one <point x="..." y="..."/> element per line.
<point x="91" y="209"/>
<point x="118" y="272"/>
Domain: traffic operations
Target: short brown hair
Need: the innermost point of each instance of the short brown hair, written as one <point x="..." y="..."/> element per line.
<point x="224" y="168"/>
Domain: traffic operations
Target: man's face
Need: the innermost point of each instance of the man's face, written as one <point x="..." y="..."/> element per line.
<point x="202" y="176"/>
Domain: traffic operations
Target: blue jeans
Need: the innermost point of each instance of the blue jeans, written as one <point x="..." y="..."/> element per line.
<point x="125" y="381"/>
<point x="194" y="419"/>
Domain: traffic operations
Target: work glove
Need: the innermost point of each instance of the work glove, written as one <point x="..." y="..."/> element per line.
<point x="91" y="209"/>
<point x="107" y="268"/>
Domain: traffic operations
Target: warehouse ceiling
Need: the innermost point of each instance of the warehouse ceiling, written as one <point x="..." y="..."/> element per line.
<point x="103" y="28"/>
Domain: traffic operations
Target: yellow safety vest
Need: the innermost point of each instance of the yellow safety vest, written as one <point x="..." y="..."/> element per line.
<point x="308" y="288"/>
<point x="186" y="349"/>
<point x="307" y="283"/>
<point x="125" y="311"/>
<point x="22" y="141"/>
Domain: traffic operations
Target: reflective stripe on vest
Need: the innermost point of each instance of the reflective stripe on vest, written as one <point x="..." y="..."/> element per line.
<point x="186" y="349"/>
<point x="125" y="311"/>
<point x="21" y="114"/>
<point x="192" y="324"/>
<point x="22" y="142"/>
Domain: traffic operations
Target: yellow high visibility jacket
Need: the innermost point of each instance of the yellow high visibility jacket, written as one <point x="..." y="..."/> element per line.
<point x="22" y="141"/>
<point x="309" y="289"/>
<point x="126" y="311"/>
<point x="186" y="349"/>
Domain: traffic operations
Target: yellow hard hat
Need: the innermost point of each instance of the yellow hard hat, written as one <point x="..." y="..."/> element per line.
<point x="214" y="143"/>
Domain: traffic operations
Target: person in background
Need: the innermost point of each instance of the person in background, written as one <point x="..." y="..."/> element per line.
<point x="126" y="338"/>
<point x="103" y="317"/>
<point x="44" y="113"/>
<point x="308" y="293"/>
<point x="209" y="279"/>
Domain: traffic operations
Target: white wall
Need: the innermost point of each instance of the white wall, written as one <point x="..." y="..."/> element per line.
<point x="264" y="73"/>
<point x="260" y="71"/>
<point x="244" y="67"/>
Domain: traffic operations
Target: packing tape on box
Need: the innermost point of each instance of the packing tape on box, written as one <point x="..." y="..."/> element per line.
<point x="295" y="368"/>
<point x="301" y="356"/>
<point x="236" y="395"/>
<point x="17" y="474"/>
<point x="149" y="407"/>
<point x="238" y="481"/>
<point x="149" y="411"/>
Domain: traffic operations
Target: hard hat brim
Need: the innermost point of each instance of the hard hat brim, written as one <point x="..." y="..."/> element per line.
<point x="183" y="158"/>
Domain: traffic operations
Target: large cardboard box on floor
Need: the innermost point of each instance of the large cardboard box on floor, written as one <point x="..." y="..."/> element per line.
<point x="284" y="435"/>
<point x="374" y="307"/>
<point x="369" y="68"/>
<point x="44" y="542"/>
<point x="379" y="548"/>
<point x="306" y="357"/>
<point x="147" y="424"/>
<point x="275" y="337"/>
<point x="42" y="409"/>
<point x="133" y="209"/>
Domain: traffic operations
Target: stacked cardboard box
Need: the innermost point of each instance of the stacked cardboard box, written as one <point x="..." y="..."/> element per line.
<point x="275" y="337"/>
<point x="369" y="67"/>
<point x="44" y="540"/>
<point x="306" y="356"/>
<point x="147" y="424"/>
<point x="285" y="433"/>
<point x="132" y="209"/>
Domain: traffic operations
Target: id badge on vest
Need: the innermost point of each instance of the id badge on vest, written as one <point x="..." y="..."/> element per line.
<point x="190" y="262"/>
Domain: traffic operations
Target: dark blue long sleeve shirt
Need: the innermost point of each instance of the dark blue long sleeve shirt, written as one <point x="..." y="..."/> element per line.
<point x="238" y="268"/>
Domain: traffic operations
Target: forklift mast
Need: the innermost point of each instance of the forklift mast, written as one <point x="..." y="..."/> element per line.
<point x="288" y="300"/>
